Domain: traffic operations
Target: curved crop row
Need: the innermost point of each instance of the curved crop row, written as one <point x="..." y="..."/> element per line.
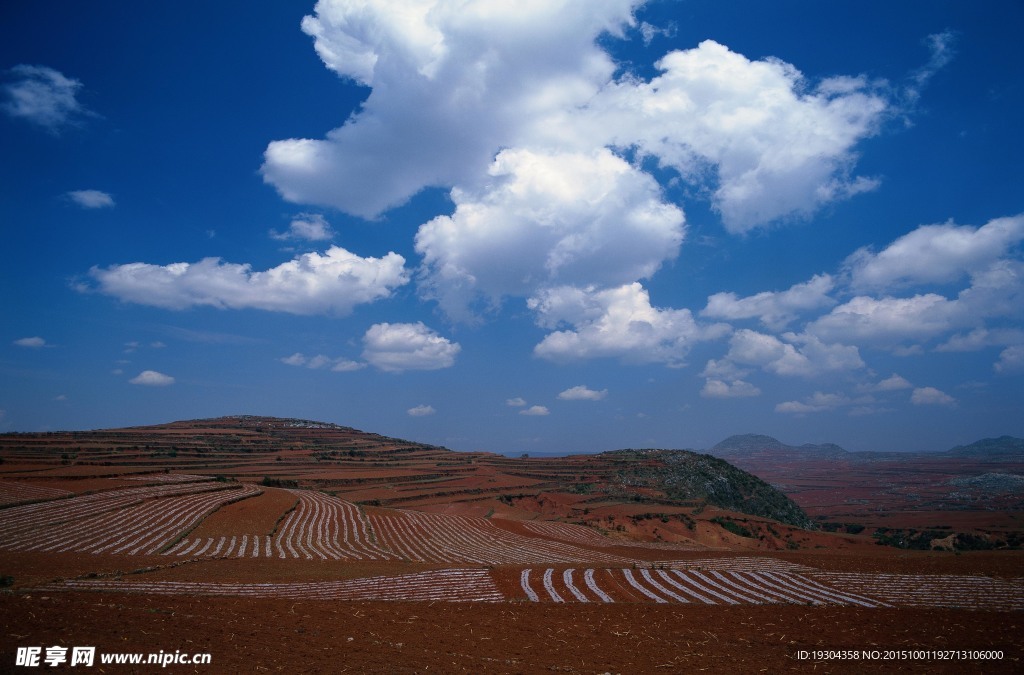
<point x="142" y="528"/>
<point x="12" y="492"/>
<point x="686" y="587"/>
<point x="934" y="590"/>
<point x="424" y="537"/>
<point x="32" y="518"/>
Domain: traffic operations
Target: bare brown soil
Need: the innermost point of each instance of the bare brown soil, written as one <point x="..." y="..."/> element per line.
<point x="249" y="635"/>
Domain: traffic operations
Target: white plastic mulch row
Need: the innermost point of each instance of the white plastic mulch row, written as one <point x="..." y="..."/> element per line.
<point x="30" y="519"/>
<point x="736" y="564"/>
<point x="141" y="527"/>
<point x="424" y="537"/>
<point x="934" y="590"/>
<point x="688" y="586"/>
<point x="12" y="492"/>
<point x="458" y="585"/>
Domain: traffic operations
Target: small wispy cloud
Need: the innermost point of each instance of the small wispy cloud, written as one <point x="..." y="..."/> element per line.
<point x="535" y="411"/>
<point x="91" y="199"/>
<point x="306" y="226"/>
<point x="43" y="96"/>
<point x="35" y="342"/>
<point x="582" y="393"/>
<point x="421" y="411"/>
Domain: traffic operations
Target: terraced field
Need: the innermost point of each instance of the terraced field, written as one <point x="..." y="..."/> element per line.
<point x="251" y="510"/>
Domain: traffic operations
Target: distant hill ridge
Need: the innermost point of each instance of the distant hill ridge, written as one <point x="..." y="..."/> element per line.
<point x="1001" y="446"/>
<point x="749" y="445"/>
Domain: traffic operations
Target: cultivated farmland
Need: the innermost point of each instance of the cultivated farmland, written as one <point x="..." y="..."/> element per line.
<point x="244" y="515"/>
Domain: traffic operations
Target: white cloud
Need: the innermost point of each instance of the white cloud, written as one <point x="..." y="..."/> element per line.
<point x="931" y="396"/>
<point x="151" y="378"/>
<point x="582" y="393"/>
<point x="714" y="388"/>
<point x="893" y="383"/>
<point x="774" y="309"/>
<point x="822" y="402"/>
<point x="778" y="147"/>
<point x="535" y="411"/>
<point x="313" y="283"/>
<point x="616" y="323"/>
<point x="320" y="361"/>
<point x="452" y="82"/>
<point x="517" y="402"/>
<point x="307" y="226"/>
<point x="395" y="347"/>
<point x="31" y="342"/>
<point x="548" y="219"/>
<point x="995" y="291"/>
<point x="941" y="47"/>
<point x="803" y="355"/>
<point x="91" y="199"/>
<point x="935" y="254"/>
<point x="1010" y="360"/>
<point x="980" y="338"/>
<point x="887" y="320"/>
<point x="43" y="96"/>
<point x="421" y="411"/>
<point x="455" y="81"/>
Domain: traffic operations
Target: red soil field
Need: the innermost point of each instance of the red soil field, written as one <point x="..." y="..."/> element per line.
<point x="624" y="581"/>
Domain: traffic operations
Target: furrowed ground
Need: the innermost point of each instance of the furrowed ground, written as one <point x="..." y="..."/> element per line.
<point x="288" y="545"/>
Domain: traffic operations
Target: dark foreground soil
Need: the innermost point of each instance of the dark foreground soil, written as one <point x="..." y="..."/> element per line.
<point x="249" y="635"/>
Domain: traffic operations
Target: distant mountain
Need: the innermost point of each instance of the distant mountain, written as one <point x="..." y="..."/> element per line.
<point x="756" y="445"/>
<point x="1003" y="447"/>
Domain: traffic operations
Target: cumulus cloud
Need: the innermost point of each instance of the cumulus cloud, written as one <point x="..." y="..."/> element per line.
<point x="43" y="96"/>
<point x="931" y="396"/>
<point x="421" y="411"/>
<point x="34" y="342"/>
<point x="792" y="355"/>
<point x="330" y="283"/>
<point x="396" y="347"/>
<point x="151" y="378"/>
<point x="535" y="411"/>
<point x="935" y="254"/>
<point x="91" y="199"/>
<point x="548" y="219"/>
<point x="454" y="82"/>
<point x="306" y="226"/>
<point x="616" y="323"/>
<point x="774" y="309"/>
<point x="777" y="147"/>
<point x="714" y="388"/>
<point x="887" y="320"/>
<point x="996" y="291"/>
<point x="517" y="402"/>
<point x="582" y="393"/>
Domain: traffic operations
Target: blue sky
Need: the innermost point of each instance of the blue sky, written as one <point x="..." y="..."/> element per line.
<point x="549" y="227"/>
